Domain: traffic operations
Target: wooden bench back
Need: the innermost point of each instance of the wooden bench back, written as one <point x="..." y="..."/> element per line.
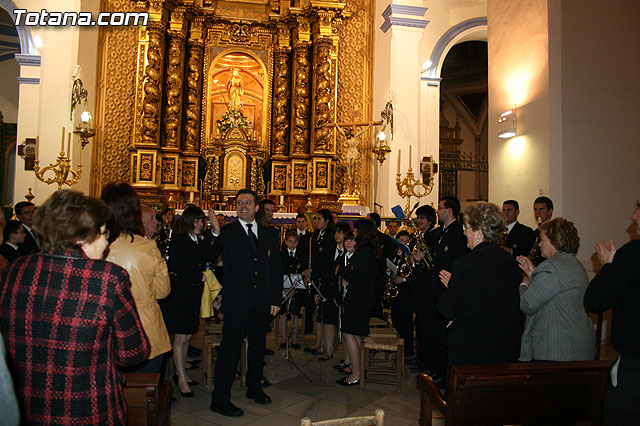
<point x="522" y="393"/>
<point x="148" y="400"/>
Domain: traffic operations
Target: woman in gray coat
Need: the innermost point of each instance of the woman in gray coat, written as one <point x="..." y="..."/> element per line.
<point x="558" y="327"/>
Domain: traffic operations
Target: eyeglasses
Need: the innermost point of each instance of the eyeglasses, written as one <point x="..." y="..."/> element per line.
<point x="199" y="219"/>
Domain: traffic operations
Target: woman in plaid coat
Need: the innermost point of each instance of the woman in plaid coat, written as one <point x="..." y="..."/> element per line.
<point x="69" y="320"/>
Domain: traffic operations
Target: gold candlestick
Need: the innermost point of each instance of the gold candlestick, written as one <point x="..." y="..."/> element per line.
<point x="61" y="169"/>
<point x="410" y="187"/>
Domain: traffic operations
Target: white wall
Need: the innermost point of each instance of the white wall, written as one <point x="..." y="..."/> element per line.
<point x="600" y="110"/>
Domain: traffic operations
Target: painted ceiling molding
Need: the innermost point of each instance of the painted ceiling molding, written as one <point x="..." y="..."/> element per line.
<point x="403" y="21"/>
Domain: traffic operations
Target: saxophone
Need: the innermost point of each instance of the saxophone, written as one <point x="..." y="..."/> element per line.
<point x="421" y="245"/>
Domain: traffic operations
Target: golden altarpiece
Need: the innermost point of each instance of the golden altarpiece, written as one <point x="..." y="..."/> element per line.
<point x="217" y="95"/>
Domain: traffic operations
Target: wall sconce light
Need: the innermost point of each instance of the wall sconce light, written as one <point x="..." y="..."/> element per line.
<point x="84" y="130"/>
<point x="507" y="124"/>
<point x="381" y="146"/>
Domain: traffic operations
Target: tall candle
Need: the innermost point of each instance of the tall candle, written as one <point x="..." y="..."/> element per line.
<point x="409" y="156"/>
<point x="37" y="146"/>
<point x="399" y="161"/>
<point x="62" y="143"/>
<point x="69" y="146"/>
<point x="191" y="197"/>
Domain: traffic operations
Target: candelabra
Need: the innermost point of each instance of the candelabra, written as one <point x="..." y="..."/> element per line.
<point x="61" y="169"/>
<point x="410" y="187"/>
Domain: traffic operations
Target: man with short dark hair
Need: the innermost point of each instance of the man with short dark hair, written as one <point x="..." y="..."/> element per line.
<point x="388" y="250"/>
<point x="542" y="211"/>
<point x="269" y="208"/>
<point x="252" y="291"/>
<point x="392" y="228"/>
<point x="24" y="211"/>
<point x="519" y="237"/>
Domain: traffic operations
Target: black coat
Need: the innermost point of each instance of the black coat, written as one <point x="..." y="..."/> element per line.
<point x="9" y="252"/>
<point x="29" y="245"/>
<point x="520" y="239"/>
<point x="361" y="275"/>
<point x="296" y="265"/>
<point x="483" y="301"/>
<point x="247" y="270"/>
<point x="322" y="251"/>
<point x="451" y="244"/>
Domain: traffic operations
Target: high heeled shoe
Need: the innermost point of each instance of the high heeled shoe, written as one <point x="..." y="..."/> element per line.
<point x="185" y="394"/>
<point x="345" y="382"/>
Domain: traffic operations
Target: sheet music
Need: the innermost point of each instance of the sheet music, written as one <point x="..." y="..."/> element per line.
<point x="392" y="266"/>
<point x="293" y="279"/>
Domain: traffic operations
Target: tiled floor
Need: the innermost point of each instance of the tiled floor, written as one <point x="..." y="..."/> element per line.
<point x="295" y="397"/>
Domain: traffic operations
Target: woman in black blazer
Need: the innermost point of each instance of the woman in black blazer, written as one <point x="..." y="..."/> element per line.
<point x="188" y="254"/>
<point x="482" y="300"/>
<point x="359" y="276"/>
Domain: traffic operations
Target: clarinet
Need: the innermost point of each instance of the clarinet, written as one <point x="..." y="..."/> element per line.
<point x="534" y="254"/>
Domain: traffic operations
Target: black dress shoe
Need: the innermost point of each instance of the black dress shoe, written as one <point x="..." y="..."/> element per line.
<point x="268" y="351"/>
<point x="185" y="394"/>
<point x="265" y="383"/>
<point x="226" y="409"/>
<point x="259" y="396"/>
<point x="344" y="382"/>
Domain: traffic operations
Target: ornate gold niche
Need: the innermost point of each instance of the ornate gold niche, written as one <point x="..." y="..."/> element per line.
<point x="185" y="136"/>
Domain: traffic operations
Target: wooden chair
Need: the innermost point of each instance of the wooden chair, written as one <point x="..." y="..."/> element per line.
<point x="375" y="420"/>
<point x="212" y="342"/>
<point x="148" y="400"/>
<point x="375" y="322"/>
<point x="518" y="393"/>
<point x="367" y="367"/>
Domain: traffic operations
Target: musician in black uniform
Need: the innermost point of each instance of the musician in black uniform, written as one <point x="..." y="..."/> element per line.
<point x="24" y="213"/>
<point x="419" y="283"/>
<point x="293" y="262"/>
<point x="450" y="246"/>
<point x="388" y="250"/>
<point x="359" y="277"/>
<point x="323" y="247"/>
<point x="401" y="304"/>
<point x="519" y="237"/>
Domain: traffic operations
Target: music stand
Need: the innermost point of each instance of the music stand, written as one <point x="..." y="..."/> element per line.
<point x="293" y="281"/>
<point x="322" y="299"/>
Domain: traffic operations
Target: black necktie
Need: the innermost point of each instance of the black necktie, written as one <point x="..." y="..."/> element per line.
<point x="292" y="255"/>
<point x="340" y="252"/>
<point x="252" y="236"/>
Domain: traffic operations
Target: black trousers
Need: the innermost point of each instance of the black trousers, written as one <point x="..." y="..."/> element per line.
<point x="237" y="325"/>
<point x="621" y="404"/>
<point x="402" y="316"/>
<point x="437" y="330"/>
<point x="419" y="286"/>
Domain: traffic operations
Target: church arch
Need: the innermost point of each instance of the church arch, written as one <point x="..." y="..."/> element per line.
<point x="471" y="29"/>
<point x="24" y="34"/>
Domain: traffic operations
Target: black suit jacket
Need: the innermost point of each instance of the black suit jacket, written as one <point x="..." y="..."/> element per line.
<point x="322" y="251"/>
<point x="247" y="270"/>
<point x="296" y="265"/>
<point x="9" y="252"/>
<point x="483" y="301"/>
<point x="30" y="245"/>
<point x="451" y="244"/>
<point x="520" y="239"/>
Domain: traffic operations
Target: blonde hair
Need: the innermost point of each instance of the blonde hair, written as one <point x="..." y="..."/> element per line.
<point x="485" y="217"/>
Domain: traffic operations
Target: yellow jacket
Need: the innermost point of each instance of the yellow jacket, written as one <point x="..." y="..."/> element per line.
<point x="211" y="289"/>
<point x="149" y="282"/>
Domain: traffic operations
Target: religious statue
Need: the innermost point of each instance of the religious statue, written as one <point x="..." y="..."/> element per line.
<point x="352" y="156"/>
<point x="235" y="89"/>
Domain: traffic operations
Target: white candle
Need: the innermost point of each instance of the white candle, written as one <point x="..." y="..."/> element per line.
<point x="37" y="147"/>
<point x="191" y="197"/>
<point x="62" y="143"/>
<point x="409" y="156"/>
<point x="399" y="161"/>
<point x="69" y="146"/>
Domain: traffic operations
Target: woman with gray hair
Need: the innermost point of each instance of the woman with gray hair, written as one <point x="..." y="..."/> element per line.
<point x="482" y="300"/>
<point x="558" y="327"/>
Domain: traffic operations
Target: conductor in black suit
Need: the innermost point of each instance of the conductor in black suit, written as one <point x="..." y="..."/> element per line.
<point x="519" y="237"/>
<point x="252" y="291"/>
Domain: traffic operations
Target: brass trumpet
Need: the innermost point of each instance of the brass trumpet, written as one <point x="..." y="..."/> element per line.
<point x="421" y="245"/>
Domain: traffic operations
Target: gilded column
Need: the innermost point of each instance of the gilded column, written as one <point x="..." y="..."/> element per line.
<point x="302" y="89"/>
<point x="173" y="82"/>
<point x="281" y="93"/>
<point x="151" y="86"/>
<point x="323" y="84"/>
<point x="194" y="87"/>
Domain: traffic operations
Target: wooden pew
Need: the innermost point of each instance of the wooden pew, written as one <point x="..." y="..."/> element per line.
<point x="518" y="393"/>
<point x="148" y="400"/>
